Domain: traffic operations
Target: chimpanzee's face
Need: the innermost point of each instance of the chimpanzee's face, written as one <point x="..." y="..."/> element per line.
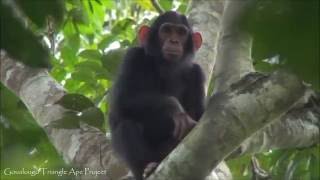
<point x="173" y="38"/>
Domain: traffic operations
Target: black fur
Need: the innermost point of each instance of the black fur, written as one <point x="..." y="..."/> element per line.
<point x="141" y="110"/>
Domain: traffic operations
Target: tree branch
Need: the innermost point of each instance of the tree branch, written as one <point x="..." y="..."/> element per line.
<point x="157" y="6"/>
<point x="84" y="147"/>
<point x="205" y="17"/>
<point x="234" y="61"/>
<point x="231" y="117"/>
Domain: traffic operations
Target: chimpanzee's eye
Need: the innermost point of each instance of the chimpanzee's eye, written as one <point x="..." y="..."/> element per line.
<point x="166" y="28"/>
<point x="182" y="30"/>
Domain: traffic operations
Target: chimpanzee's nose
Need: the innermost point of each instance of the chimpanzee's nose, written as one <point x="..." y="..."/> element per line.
<point x="174" y="41"/>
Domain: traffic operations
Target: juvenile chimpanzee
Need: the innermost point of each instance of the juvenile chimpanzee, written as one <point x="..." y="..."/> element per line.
<point x="159" y="94"/>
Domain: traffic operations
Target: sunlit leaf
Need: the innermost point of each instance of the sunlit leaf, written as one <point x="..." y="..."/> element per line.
<point x="68" y="54"/>
<point x="58" y="73"/>
<point x="109" y="4"/>
<point x="69" y="29"/>
<point x="93" y="65"/>
<point x="166" y="4"/>
<point x="183" y="6"/>
<point x="85" y="76"/>
<point x="95" y="14"/>
<point x="90" y="54"/>
<point x="72" y="85"/>
<point x="147" y="5"/>
<point x="122" y="25"/>
<point x="112" y="60"/>
<point x="79" y="16"/>
<point x="106" y="41"/>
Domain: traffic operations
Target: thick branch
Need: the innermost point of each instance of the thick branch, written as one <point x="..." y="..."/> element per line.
<point x="231" y="117"/>
<point x="298" y="128"/>
<point x="234" y="48"/>
<point x="205" y="16"/>
<point x="234" y="61"/>
<point x="84" y="147"/>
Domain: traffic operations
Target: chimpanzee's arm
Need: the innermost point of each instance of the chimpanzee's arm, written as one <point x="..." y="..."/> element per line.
<point x="136" y="92"/>
<point x="194" y="96"/>
<point x="137" y="97"/>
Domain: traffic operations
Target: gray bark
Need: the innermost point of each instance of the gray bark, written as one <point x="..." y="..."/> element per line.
<point x="297" y="128"/>
<point x="230" y="118"/>
<point x="84" y="147"/>
<point x="233" y="62"/>
<point x="205" y="16"/>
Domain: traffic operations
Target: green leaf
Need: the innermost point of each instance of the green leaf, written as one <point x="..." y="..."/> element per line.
<point x="280" y="165"/>
<point x="92" y="54"/>
<point x="112" y="60"/>
<point x="68" y="55"/>
<point x="294" y="35"/>
<point x="88" y="89"/>
<point x="95" y="13"/>
<point x="314" y="165"/>
<point x="147" y="5"/>
<point x="122" y="25"/>
<point x="106" y="41"/>
<point x="72" y="85"/>
<point x="98" y="1"/>
<point x="292" y="166"/>
<point x="84" y="76"/>
<point x="92" y="65"/>
<point x="103" y="74"/>
<point x="76" y="102"/>
<point x="82" y="110"/>
<point x="70" y="120"/>
<point x="58" y="73"/>
<point x="39" y="10"/>
<point x="166" y="4"/>
<point x="93" y="116"/>
<point x="79" y="16"/>
<point x="73" y="41"/>
<point x="71" y="45"/>
<point x="183" y="7"/>
<point x="109" y="4"/>
<point x="69" y="29"/>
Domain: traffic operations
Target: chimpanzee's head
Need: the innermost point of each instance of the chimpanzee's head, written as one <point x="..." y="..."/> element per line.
<point x="170" y="37"/>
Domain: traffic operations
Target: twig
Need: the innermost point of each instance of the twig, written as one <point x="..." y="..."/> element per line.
<point x="157" y="6"/>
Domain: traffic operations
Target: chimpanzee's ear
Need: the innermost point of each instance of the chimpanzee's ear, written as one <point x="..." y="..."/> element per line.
<point x="197" y="40"/>
<point x="143" y="34"/>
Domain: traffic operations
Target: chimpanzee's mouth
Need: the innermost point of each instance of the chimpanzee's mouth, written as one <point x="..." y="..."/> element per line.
<point x="172" y="52"/>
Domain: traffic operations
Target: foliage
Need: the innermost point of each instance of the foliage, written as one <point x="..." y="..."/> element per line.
<point x="280" y="164"/>
<point x="23" y="143"/>
<point x="85" y="40"/>
<point x="286" y="35"/>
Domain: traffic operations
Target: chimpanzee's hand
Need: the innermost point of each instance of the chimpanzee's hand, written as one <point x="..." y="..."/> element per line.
<point x="183" y="124"/>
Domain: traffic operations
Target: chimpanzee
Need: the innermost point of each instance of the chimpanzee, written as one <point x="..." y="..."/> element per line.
<point x="159" y="93"/>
